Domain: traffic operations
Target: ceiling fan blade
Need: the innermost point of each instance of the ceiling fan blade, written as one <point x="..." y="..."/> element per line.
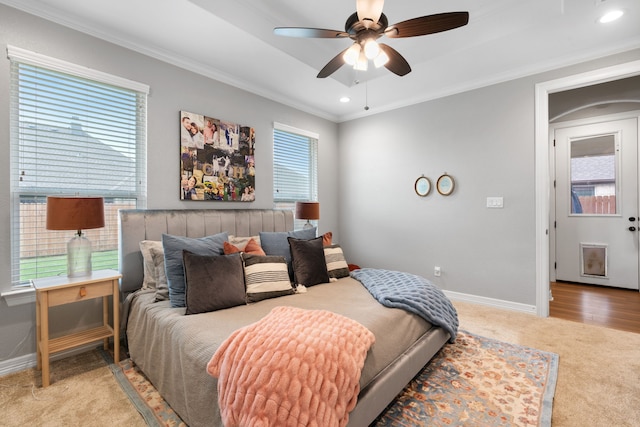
<point x="428" y="24"/>
<point x="309" y="32"/>
<point x="396" y="64"/>
<point x="369" y="11"/>
<point x="333" y="65"/>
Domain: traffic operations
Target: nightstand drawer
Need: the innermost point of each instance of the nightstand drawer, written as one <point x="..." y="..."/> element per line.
<point x="79" y="293"/>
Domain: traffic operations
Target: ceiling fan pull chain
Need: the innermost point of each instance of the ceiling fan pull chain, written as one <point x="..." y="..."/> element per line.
<point x="366" y="95"/>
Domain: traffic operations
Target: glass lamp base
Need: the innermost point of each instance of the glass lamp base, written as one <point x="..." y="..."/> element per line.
<point x="78" y="257"/>
<point x="307" y="225"/>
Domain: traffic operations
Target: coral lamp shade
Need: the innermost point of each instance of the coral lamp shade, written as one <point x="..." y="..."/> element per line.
<point x="74" y="213"/>
<point x="307" y="210"/>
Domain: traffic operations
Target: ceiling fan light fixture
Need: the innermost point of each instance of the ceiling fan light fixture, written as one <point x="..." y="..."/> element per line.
<point x="351" y="55"/>
<point x="381" y="59"/>
<point x="362" y="63"/>
<point x="371" y="49"/>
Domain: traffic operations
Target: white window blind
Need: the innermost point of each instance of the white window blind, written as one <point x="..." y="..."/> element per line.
<point x="71" y="134"/>
<point x="295" y="167"/>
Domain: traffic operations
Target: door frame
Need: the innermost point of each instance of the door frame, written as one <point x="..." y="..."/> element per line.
<point x="542" y="163"/>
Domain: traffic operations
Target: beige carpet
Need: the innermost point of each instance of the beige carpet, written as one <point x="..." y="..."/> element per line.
<point x="83" y="392"/>
<point x="598" y="378"/>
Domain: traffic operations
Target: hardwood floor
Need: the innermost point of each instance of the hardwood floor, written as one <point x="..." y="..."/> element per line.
<point x="597" y="305"/>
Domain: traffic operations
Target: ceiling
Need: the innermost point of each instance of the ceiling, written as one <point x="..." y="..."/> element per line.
<point x="232" y="41"/>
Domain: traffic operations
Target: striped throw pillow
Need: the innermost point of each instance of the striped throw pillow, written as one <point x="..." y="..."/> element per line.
<point x="266" y="277"/>
<point x="337" y="266"/>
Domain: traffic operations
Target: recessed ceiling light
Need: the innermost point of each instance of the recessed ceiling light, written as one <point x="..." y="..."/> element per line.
<point x="345" y="99"/>
<point x="611" y="16"/>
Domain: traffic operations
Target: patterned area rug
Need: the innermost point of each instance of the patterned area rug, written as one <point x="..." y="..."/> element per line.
<point x="478" y="381"/>
<point x="144" y="396"/>
<point x="475" y="381"/>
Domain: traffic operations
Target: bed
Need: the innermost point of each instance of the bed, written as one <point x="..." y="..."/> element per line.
<point x="173" y="349"/>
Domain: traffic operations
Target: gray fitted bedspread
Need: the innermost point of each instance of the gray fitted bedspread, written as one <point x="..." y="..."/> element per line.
<point x="173" y="349"/>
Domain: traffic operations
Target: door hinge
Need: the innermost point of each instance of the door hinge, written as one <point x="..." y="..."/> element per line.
<point x="554" y="142"/>
<point x="555" y="224"/>
<point x="555" y="265"/>
<point x="554" y="183"/>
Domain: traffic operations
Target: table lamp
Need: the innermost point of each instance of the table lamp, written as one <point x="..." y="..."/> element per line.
<point x="76" y="213"/>
<point x="308" y="211"/>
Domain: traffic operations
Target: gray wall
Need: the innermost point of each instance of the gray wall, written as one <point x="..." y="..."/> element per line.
<point x="172" y="89"/>
<point x="485" y="139"/>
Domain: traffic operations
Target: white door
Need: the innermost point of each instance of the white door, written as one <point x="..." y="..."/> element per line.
<point x="597" y="203"/>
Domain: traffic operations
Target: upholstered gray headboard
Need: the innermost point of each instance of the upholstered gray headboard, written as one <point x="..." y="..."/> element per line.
<point x="135" y="225"/>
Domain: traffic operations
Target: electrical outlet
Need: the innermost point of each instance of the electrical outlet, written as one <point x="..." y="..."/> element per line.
<point x="437" y="271"/>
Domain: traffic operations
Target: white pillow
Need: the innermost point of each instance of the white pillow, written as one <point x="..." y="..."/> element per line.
<point x="241" y="242"/>
<point x="150" y="280"/>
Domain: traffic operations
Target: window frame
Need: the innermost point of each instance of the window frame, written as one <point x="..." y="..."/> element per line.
<point x="21" y="57"/>
<point x="288" y="203"/>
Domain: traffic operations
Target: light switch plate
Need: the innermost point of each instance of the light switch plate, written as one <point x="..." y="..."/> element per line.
<point x="495" y="202"/>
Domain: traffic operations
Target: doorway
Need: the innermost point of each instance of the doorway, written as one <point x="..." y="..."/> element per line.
<point x="542" y="164"/>
<point x="596" y="201"/>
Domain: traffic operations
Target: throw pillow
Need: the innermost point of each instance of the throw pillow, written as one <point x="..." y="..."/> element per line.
<point x="241" y="242"/>
<point x="162" y="287"/>
<point x="150" y="277"/>
<point x="266" y="277"/>
<point x="212" y="282"/>
<point x="307" y="259"/>
<point x="275" y="243"/>
<point x="327" y="238"/>
<point x="173" y="264"/>
<point x="337" y="266"/>
<point x="250" y="248"/>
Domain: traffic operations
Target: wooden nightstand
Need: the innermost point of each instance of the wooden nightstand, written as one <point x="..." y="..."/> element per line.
<point x="59" y="290"/>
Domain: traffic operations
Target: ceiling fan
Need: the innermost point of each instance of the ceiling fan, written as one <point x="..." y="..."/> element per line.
<point x="367" y="25"/>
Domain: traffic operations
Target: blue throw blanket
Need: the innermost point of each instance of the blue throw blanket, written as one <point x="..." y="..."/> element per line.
<point x="411" y="293"/>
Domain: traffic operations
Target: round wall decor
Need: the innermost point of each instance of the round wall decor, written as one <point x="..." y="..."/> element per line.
<point x="422" y="186"/>
<point x="445" y="184"/>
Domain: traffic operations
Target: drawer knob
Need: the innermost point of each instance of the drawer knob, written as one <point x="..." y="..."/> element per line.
<point x="83" y="292"/>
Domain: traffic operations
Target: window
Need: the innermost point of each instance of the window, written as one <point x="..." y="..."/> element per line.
<point x="295" y="167"/>
<point x="74" y="131"/>
<point x="594" y="164"/>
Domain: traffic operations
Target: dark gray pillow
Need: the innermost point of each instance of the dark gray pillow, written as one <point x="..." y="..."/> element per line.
<point x="173" y="247"/>
<point x="213" y="282"/>
<point x="275" y="243"/>
<point x="307" y="259"/>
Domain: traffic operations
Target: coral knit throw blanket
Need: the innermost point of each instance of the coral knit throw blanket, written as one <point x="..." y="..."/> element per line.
<point x="294" y="367"/>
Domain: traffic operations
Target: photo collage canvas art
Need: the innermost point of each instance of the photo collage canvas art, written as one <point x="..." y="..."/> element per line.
<point x="216" y="159"/>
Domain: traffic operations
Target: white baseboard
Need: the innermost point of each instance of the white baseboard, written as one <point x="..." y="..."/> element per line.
<point x="28" y="361"/>
<point x="17" y="364"/>
<point x="491" y="302"/>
